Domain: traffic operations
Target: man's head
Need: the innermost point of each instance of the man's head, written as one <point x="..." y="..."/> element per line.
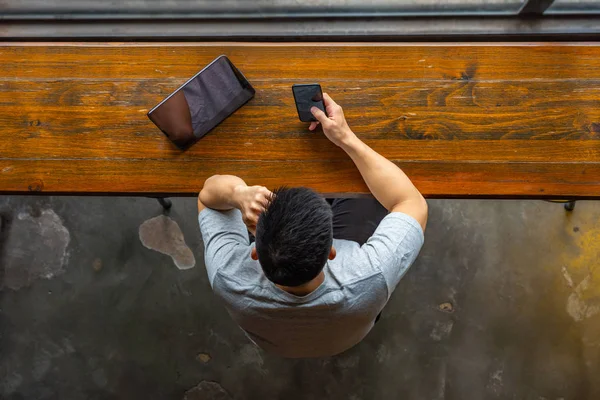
<point x="294" y="236"/>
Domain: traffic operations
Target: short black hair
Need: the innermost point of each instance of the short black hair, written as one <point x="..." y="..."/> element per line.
<point x="294" y="236"/>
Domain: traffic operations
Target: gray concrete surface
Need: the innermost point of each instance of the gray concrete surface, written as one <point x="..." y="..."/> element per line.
<point x="99" y="299"/>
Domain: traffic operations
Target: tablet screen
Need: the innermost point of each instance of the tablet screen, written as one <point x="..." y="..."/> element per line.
<point x="202" y="103"/>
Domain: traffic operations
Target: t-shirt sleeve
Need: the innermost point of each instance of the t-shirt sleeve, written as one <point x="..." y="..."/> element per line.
<point x="224" y="235"/>
<point x="394" y="247"/>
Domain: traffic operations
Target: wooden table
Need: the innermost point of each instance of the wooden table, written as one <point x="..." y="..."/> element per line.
<point x="463" y="120"/>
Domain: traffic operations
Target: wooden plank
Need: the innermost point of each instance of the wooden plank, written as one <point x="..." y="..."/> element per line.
<point x="462" y="120"/>
<point x="377" y="110"/>
<point x="309" y="148"/>
<point x="61" y="92"/>
<point x="304" y="61"/>
<point x="435" y="179"/>
<point x="382" y="123"/>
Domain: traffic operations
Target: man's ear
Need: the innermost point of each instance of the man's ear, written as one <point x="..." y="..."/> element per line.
<point x="332" y="253"/>
<point x="254" y="254"/>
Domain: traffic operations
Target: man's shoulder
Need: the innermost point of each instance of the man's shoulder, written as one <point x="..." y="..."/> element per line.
<point x="351" y="264"/>
<point x="239" y="272"/>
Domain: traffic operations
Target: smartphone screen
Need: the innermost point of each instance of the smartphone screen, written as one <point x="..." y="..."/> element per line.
<point x="307" y="96"/>
<point x="202" y="103"/>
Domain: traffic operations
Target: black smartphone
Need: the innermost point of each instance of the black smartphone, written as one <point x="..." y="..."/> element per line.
<point x="307" y="96"/>
<point x="202" y="103"/>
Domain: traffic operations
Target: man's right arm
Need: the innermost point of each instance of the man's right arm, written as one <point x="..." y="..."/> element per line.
<point x="388" y="183"/>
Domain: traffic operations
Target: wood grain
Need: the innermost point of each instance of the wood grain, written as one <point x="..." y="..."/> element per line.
<point x="462" y="120"/>
<point x="436" y="179"/>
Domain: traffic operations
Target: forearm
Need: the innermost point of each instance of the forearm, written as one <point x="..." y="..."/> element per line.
<point x="388" y="183"/>
<point x="390" y="186"/>
<point x="219" y="192"/>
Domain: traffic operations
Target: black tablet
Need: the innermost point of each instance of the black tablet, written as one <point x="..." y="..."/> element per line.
<point x="202" y="103"/>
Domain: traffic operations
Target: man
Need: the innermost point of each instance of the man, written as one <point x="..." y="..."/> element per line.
<point x="318" y="275"/>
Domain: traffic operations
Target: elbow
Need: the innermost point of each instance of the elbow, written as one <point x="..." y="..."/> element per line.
<point x="416" y="207"/>
<point x="209" y="181"/>
<point x="423" y="203"/>
<point x="419" y="210"/>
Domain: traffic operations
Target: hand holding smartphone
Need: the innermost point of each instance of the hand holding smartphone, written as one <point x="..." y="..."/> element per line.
<point x="333" y="122"/>
<point x="307" y="96"/>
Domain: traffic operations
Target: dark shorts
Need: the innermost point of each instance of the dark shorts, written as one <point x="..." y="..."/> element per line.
<point x="356" y="219"/>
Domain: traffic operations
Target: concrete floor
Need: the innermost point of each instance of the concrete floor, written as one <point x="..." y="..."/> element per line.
<point x="502" y="303"/>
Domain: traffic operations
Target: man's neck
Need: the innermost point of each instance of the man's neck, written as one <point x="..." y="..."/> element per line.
<point x="305" y="289"/>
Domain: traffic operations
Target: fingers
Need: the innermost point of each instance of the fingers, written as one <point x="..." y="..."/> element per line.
<point x="256" y="201"/>
<point x="313" y="126"/>
<point x="319" y="115"/>
<point x="260" y="204"/>
<point x="333" y="108"/>
<point x="258" y="192"/>
<point x="251" y="220"/>
<point x="328" y="101"/>
<point x="260" y="199"/>
<point x="265" y="196"/>
<point x="266" y="191"/>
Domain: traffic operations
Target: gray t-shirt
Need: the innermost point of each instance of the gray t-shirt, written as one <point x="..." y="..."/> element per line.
<point x="331" y="319"/>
